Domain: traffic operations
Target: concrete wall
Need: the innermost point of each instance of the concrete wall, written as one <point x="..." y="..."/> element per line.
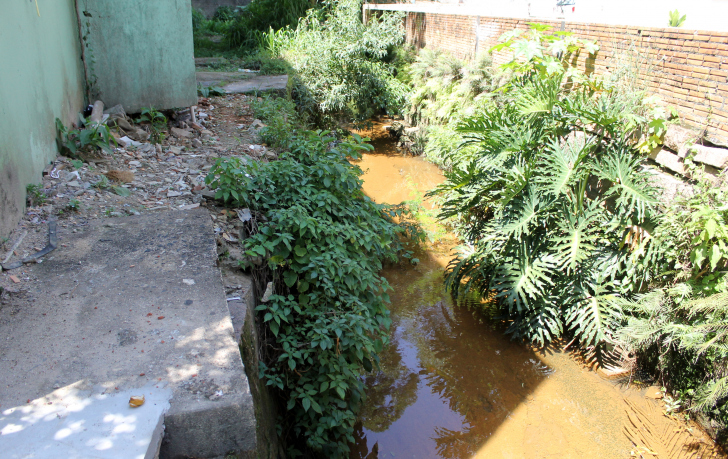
<point x="686" y="68"/>
<point x="41" y="78"/>
<point x="139" y="53"/>
<point x="210" y="6"/>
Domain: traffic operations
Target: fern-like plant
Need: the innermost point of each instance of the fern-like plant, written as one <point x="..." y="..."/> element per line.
<point x="684" y="329"/>
<point x="675" y="19"/>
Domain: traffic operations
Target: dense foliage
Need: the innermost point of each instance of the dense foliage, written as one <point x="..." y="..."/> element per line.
<point x="339" y="62"/>
<point x="446" y="91"/>
<point x="561" y="222"/>
<point x="684" y="336"/>
<point x="324" y="242"/>
<point x="260" y="16"/>
<point x="551" y="197"/>
<point x="680" y="329"/>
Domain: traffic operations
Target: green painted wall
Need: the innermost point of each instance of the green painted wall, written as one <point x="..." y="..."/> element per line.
<point x="41" y="78"/>
<point x="140" y="53"/>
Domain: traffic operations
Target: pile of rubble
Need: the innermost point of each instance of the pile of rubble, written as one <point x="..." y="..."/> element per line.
<point x="139" y="176"/>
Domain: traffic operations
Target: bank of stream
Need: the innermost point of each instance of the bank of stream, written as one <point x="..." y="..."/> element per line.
<point x="452" y="385"/>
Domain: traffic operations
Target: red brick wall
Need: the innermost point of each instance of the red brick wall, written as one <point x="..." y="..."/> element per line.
<point x="687" y="69"/>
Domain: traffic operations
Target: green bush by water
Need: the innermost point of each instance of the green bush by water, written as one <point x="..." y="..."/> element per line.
<point x="340" y="72"/>
<point x="562" y="224"/>
<point x="324" y="242"/>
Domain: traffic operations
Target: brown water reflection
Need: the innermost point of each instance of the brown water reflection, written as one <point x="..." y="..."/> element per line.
<point x="452" y="385"/>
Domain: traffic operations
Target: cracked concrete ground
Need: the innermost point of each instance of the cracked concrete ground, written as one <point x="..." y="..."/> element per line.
<point x="77" y="326"/>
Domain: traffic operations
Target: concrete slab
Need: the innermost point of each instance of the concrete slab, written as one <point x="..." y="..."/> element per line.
<point x="123" y="304"/>
<point x="216" y="78"/>
<point x="236" y="83"/>
<point x="259" y="83"/>
<point x="73" y="423"/>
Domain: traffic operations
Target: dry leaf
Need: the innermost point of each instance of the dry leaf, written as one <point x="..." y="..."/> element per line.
<point x="136" y="401"/>
<point x="120" y="176"/>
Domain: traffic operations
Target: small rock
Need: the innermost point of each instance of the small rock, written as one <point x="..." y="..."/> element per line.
<point x="135" y="164"/>
<point x="74" y="184"/>
<point x="116" y="110"/>
<point x="127" y="141"/>
<point x="669" y="160"/>
<point x="180" y="133"/>
<point x="196" y="143"/>
<point x="124" y="124"/>
<point x="173" y="194"/>
<point x="139" y="134"/>
<point x="188" y="281"/>
<point x="175" y="150"/>
<point x="257" y="124"/>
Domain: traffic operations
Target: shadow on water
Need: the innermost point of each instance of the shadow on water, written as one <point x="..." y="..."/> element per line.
<point x="448" y="380"/>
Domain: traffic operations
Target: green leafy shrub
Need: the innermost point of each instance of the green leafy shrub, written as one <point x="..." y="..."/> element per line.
<point x="155" y="121"/>
<point x="210" y="91"/>
<point x="550" y="196"/>
<point x="259" y="16"/>
<point x="208" y="34"/>
<point x="324" y="242"/>
<point x="35" y="195"/>
<point x="91" y="138"/>
<point x="683" y="335"/>
<point x="280" y="114"/>
<point x="338" y="60"/>
<point x="675" y="19"/>
<point x="447" y="88"/>
<point x="692" y="236"/>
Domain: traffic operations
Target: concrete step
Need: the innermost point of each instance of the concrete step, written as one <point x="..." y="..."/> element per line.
<point x="126" y="306"/>
<point x="239" y="82"/>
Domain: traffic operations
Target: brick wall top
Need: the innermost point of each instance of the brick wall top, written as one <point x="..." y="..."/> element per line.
<point x="685" y="69"/>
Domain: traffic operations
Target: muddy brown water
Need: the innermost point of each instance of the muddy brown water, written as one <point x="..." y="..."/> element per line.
<point x="452" y="385"/>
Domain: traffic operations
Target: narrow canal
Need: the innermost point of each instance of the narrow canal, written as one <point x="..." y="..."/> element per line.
<point x="452" y="385"/>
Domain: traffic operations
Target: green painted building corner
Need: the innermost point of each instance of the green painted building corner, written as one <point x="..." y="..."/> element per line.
<point x="57" y="55"/>
<point x="41" y="79"/>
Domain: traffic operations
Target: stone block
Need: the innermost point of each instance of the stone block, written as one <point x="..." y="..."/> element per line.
<point x="679" y="138"/>
<point x="716" y="157"/>
<point x="180" y="133"/>
<point x="669" y="161"/>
